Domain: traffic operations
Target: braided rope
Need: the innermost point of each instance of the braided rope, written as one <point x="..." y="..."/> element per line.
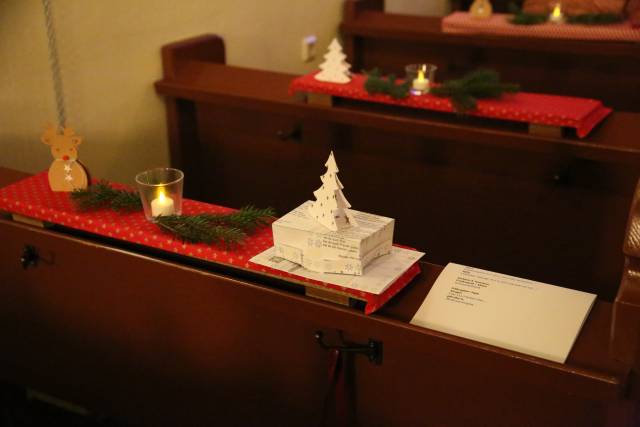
<point x="55" y="63"/>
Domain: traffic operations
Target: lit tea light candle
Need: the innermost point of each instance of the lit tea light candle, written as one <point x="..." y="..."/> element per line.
<point x="162" y="205"/>
<point x="420" y="83"/>
<point x="557" y="17"/>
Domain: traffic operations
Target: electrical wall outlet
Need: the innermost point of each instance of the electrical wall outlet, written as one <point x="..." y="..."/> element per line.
<point x="309" y="48"/>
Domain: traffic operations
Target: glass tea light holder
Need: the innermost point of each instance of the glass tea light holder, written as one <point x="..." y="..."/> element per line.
<point x="160" y="191"/>
<point x="421" y="76"/>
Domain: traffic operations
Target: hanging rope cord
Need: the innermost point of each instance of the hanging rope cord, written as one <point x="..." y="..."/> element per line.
<point x="55" y="63"/>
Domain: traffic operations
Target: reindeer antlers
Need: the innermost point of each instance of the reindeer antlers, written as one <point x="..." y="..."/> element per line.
<point x="52" y="130"/>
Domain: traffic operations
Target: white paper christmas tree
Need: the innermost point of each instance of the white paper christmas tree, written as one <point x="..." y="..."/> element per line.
<point x="335" y="68"/>
<point x="326" y="236"/>
<point x="330" y="207"/>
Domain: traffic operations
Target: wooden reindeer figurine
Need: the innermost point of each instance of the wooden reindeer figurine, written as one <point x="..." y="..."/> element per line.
<point x="66" y="173"/>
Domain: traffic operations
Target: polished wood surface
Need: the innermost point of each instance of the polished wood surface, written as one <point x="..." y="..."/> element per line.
<point x="218" y="84"/>
<point x="605" y="70"/>
<point x="477" y="192"/>
<point x="161" y="343"/>
<point x="625" y="333"/>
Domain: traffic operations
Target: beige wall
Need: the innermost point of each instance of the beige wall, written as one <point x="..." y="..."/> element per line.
<point x="418" y="7"/>
<point x="109" y="53"/>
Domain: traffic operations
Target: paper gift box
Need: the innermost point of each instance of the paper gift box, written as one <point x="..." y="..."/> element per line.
<point x="299" y="238"/>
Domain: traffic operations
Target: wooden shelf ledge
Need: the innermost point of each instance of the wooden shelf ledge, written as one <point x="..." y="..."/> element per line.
<point x="206" y="82"/>
<point x="378" y="24"/>
<point x="589" y="372"/>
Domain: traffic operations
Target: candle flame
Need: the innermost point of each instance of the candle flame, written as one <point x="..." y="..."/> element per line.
<point x="420" y="75"/>
<point x="557" y="11"/>
<point x="161" y="195"/>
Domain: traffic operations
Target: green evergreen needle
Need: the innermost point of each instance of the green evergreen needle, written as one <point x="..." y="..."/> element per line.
<point x="376" y="84"/>
<point x="101" y="195"/>
<point x="225" y="229"/>
<point x="481" y="83"/>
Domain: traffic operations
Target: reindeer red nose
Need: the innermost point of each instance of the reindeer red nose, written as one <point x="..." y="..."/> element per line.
<point x="65" y="157"/>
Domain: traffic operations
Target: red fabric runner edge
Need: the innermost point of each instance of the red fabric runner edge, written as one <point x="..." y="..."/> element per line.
<point x="27" y="197"/>
<point x="509" y="108"/>
<point x="592" y="120"/>
<point x="498" y="25"/>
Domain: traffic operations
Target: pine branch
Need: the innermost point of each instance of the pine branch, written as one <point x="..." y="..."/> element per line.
<point x="465" y="92"/>
<point x="376" y="84"/>
<point x="198" y="229"/>
<point x="225" y="229"/>
<point x="523" y="18"/>
<point x="101" y="195"/>
<point x="246" y="219"/>
<point x="594" y="18"/>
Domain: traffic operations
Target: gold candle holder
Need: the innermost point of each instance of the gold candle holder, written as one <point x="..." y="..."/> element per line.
<point x="481" y="9"/>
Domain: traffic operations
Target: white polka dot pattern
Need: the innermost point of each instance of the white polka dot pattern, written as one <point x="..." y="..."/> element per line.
<point x="33" y="198"/>
<point x="498" y="24"/>
<point x="552" y="110"/>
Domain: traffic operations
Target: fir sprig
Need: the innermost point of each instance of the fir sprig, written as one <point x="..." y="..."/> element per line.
<point x="376" y="84"/>
<point x="595" y="18"/>
<point x="246" y="219"/>
<point x="226" y="229"/>
<point x="198" y="229"/>
<point x="465" y="92"/>
<point x="521" y="17"/>
<point x="101" y="195"/>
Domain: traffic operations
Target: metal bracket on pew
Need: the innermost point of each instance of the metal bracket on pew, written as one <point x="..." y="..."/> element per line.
<point x="373" y="349"/>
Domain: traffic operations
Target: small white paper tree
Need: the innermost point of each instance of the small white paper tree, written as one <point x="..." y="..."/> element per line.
<point x="330" y="207"/>
<point x="335" y="68"/>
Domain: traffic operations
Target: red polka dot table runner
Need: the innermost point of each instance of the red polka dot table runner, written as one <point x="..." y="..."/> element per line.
<point x="498" y="24"/>
<point x="551" y="110"/>
<point x="33" y="198"/>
